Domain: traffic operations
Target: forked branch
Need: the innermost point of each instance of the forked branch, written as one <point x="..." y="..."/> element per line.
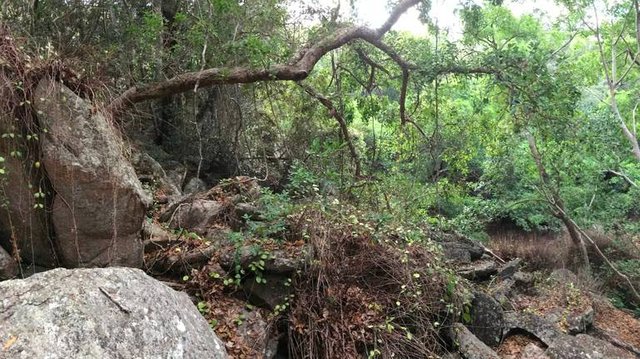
<point x="297" y="69"/>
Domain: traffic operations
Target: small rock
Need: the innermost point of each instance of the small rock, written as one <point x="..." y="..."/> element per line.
<point x="460" y="249"/>
<point x="8" y="266"/>
<point x="199" y="216"/>
<point x="469" y="345"/>
<point x="195" y="185"/>
<point x="487" y="319"/>
<point x="248" y="209"/>
<point x="523" y="279"/>
<point x="509" y="268"/>
<point x="573" y="321"/>
<point x="502" y="291"/>
<point x="275" y="292"/>
<point x="585" y="346"/>
<point x="478" y="271"/>
<point x="256" y="333"/>
<point x="278" y="261"/>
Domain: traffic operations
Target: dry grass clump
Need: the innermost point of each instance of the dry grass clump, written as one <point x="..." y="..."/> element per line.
<point x="538" y="251"/>
<point x="362" y="298"/>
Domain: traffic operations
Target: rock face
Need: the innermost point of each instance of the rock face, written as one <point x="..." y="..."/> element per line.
<point x="487" y="319"/>
<point x="99" y="204"/>
<point x="18" y="188"/>
<point x="101" y="313"/>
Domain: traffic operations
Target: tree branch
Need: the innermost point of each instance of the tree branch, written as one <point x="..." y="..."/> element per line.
<point x="341" y="122"/>
<point x="296" y="70"/>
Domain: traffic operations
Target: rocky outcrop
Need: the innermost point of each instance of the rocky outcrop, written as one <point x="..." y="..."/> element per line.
<point x="99" y="204"/>
<point x="585" y="346"/>
<point x="101" y="313"/>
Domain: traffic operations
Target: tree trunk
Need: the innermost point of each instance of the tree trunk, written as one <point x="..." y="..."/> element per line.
<point x="557" y="206"/>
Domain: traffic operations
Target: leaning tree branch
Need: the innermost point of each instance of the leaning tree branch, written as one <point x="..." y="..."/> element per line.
<point x="341" y="122"/>
<point x="296" y="70"/>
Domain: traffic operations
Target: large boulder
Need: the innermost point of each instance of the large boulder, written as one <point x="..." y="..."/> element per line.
<point x="99" y="204"/>
<point x="101" y="313"/>
<point x="487" y="319"/>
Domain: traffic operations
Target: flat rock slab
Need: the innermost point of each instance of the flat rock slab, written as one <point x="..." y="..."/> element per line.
<point x="469" y="345"/>
<point x="585" y="346"/>
<point x="533" y="324"/>
<point x="479" y="270"/>
<point x="101" y="313"/>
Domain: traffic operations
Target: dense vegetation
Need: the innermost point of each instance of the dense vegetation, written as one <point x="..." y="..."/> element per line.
<point x="521" y="125"/>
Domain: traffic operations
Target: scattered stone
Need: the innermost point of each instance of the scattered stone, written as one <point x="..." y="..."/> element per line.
<point x="8" y="266"/>
<point x="199" y="215"/>
<point x="278" y="261"/>
<point x="509" y="269"/>
<point x="155" y="237"/>
<point x="255" y="331"/>
<point x="460" y="249"/>
<point x="487" y="319"/>
<point x="101" y="313"/>
<point x="469" y="345"/>
<point x="248" y="209"/>
<point x="585" y="346"/>
<point x="478" y="271"/>
<point x="572" y="321"/>
<point x="195" y="185"/>
<point x="523" y="279"/>
<point x="148" y="168"/>
<point x="501" y="292"/>
<point x="99" y="204"/>
<point x="275" y="292"/>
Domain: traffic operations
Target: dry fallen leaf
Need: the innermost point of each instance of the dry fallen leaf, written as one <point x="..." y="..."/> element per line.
<point x="12" y="339"/>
